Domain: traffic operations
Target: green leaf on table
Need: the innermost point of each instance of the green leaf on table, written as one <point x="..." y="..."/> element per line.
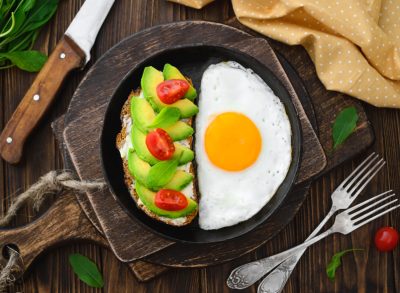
<point x="336" y="262"/>
<point x="31" y="61"/>
<point x="344" y="125"/>
<point x="86" y="270"/>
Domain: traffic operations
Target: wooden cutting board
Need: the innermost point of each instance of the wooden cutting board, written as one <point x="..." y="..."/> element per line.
<point x="84" y="126"/>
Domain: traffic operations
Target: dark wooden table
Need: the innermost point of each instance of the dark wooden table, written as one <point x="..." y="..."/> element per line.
<point x="367" y="271"/>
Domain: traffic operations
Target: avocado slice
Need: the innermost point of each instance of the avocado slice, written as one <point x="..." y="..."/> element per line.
<point x="142" y="113"/>
<point x="180" y="180"/>
<point x="179" y="131"/>
<point x="139" y="144"/>
<point x="171" y="72"/>
<point x="139" y="169"/>
<point x="147" y="197"/>
<point x="151" y="78"/>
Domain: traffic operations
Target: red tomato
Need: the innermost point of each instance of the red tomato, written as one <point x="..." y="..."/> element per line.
<point x="170" y="200"/>
<point x="160" y="144"/>
<point x="386" y="239"/>
<point x="172" y="90"/>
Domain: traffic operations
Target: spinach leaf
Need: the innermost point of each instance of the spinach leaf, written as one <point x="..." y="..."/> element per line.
<point x="344" y="125"/>
<point x="86" y="270"/>
<point x="161" y="173"/>
<point x="166" y="117"/>
<point x="31" y="61"/>
<point x="20" y="22"/>
<point x="336" y="262"/>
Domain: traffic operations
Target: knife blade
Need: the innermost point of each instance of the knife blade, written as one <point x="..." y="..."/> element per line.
<point x="72" y="52"/>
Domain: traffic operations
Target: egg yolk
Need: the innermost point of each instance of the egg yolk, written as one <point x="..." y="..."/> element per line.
<point x="232" y="141"/>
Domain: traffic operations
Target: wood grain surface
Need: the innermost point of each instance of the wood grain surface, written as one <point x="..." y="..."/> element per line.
<point x="369" y="271"/>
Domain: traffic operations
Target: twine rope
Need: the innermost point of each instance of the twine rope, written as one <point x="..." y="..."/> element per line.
<point x="51" y="183"/>
<point x="12" y="270"/>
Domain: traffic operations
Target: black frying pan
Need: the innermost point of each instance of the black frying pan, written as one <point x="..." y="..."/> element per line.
<point x="192" y="61"/>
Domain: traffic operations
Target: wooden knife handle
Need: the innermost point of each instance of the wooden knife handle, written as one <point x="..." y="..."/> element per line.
<point x="66" y="56"/>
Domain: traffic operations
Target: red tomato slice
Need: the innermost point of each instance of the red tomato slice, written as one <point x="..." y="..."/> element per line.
<point x="160" y="144"/>
<point x="386" y="239"/>
<point x="172" y="90"/>
<point x="170" y="200"/>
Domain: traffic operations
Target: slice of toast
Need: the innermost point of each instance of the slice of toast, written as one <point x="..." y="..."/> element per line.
<point x="130" y="181"/>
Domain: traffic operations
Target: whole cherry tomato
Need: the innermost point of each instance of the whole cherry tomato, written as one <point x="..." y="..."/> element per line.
<point x="386" y="239"/>
<point x="172" y="90"/>
<point x="170" y="200"/>
<point x="160" y="144"/>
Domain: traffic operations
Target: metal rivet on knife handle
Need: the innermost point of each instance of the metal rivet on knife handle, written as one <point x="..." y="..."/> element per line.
<point x="62" y="56"/>
<point x="38" y="99"/>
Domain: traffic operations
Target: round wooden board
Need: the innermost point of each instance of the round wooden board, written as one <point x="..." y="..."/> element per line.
<point x="92" y="97"/>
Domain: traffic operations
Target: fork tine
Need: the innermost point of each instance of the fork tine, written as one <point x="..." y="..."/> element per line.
<point x="361" y="217"/>
<point x="362" y="172"/>
<point x="374" y="217"/>
<point x="358" y="168"/>
<point x="367" y="201"/>
<point x="368" y="176"/>
<point x="370" y="206"/>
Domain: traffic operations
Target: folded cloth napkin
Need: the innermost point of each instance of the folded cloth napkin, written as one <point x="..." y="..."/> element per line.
<point x="354" y="44"/>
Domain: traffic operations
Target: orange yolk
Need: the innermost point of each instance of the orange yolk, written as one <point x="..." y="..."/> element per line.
<point x="232" y="141"/>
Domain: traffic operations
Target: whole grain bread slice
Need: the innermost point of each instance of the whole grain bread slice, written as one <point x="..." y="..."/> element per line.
<point x="129" y="180"/>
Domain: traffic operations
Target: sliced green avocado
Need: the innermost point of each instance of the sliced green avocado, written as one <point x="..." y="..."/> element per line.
<point x="171" y="72"/>
<point x="180" y="180"/>
<point x="147" y="197"/>
<point x="179" y="131"/>
<point x="151" y="78"/>
<point x="139" y="144"/>
<point x="139" y="169"/>
<point x="142" y="113"/>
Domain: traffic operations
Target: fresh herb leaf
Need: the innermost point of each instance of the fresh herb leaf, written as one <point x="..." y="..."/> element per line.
<point x="86" y="270"/>
<point x="166" y="117"/>
<point x="20" y="22"/>
<point x="336" y="262"/>
<point x="31" y="61"/>
<point x="344" y="125"/>
<point x="161" y="173"/>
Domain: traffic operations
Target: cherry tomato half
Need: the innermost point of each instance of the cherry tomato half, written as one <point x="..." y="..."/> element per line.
<point x="160" y="144"/>
<point x="386" y="239"/>
<point x="172" y="90"/>
<point x="170" y="200"/>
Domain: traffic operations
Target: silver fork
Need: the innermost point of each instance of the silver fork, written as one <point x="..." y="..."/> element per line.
<point x="342" y="198"/>
<point x="345" y="222"/>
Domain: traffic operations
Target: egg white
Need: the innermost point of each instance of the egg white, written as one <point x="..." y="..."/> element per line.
<point x="228" y="198"/>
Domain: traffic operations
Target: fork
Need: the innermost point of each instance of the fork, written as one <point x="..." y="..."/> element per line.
<point x="342" y="198"/>
<point x="345" y="222"/>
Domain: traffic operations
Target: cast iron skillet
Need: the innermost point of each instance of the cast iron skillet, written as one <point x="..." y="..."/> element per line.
<point x="192" y="61"/>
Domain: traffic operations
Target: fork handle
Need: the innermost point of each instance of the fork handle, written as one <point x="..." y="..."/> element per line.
<point x="247" y="274"/>
<point x="276" y="280"/>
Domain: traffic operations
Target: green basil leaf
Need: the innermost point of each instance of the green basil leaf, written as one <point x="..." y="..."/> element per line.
<point x="86" y="270"/>
<point x="31" y="61"/>
<point x="336" y="262"/>
<point x="166" y="117"/>
<point x="40" y="14"/>
<point x="161" y="173"/>
<point x="28" y="5"/>
<point x="344" y="125"/>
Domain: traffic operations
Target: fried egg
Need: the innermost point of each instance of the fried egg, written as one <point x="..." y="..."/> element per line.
<point x="242" y="145"/>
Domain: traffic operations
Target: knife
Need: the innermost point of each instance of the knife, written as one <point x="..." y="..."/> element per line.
<point x="73" y="51"/>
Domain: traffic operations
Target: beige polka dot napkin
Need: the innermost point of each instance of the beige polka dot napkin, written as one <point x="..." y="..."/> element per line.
<point x="355" y="44"/>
